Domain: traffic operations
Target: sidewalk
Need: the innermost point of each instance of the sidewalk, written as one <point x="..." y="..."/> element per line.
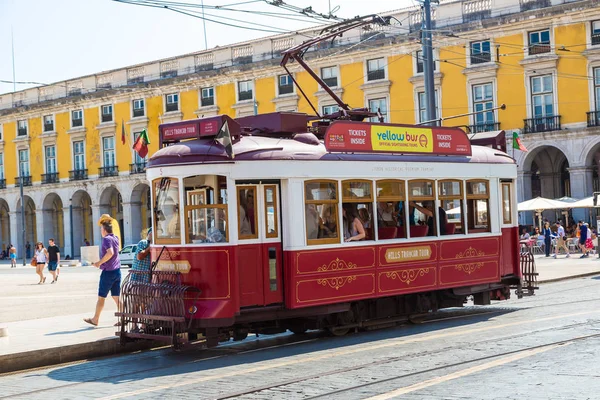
<point x="64" y="338"/>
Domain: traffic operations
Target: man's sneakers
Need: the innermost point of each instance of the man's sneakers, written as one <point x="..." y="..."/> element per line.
<point x="554" y="256"/>
<point x="568" y="256"/>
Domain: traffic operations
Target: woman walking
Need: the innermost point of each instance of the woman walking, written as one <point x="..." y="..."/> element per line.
<point x="547" y="238"/>
<point x="41" y="256"/>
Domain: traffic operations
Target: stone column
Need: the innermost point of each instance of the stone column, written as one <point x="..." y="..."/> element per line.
<point x="95" y="217"/>
<point x="581" y="187"/>
<point x="523" y="194"/>
<point x="40" y="231"/>
<point x="15" y="233"/>
<point x="132" y="224"/>
<point x="67" y="236"/>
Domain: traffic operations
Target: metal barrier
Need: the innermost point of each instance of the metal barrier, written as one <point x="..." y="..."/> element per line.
<point x="154" y="306"/>
<point x="528" y="285"/>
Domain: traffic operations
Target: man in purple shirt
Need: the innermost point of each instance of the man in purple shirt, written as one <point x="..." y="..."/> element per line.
<point x="110" y="278"/>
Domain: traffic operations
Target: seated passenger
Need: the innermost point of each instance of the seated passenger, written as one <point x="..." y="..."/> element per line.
<point x="524" y="234"/>
<point x="386" y="214"/>
<point x="327" y="223"/>
<point x="427" y="209"/>
<point x="353" y="227"/>
<point x="365" y="218"/>
<point x="312" y="222"/>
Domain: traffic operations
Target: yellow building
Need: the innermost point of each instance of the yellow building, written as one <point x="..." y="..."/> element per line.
<point x="539" y="57"/>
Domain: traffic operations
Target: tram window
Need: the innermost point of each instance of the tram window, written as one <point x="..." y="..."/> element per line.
<point x="271" y="211"/>
<point x="422" y="214"/>
<point x="478" y="206"/>
<point x="357" y="202"/>
<point x="506" y="206"/>
<point x="247" y="225"/>
<point x="321" y="212"/>
<point x="166" y="211"/>
<point x="206" y="209"/>
<point x="450" y="193"/>
<point x="391" y="201"/>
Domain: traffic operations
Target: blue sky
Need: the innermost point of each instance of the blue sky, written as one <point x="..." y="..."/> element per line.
<point x="61" y="39"/>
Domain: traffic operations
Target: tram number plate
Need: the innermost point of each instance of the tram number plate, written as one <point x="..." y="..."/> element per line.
<point x="404" y="254"/>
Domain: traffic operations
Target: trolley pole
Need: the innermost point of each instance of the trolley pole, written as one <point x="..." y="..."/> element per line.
<point x="428" y="63"/>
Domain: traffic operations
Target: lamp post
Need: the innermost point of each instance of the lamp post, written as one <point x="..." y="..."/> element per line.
<point x="22" y="212"/>
<point x="71" y="226"/>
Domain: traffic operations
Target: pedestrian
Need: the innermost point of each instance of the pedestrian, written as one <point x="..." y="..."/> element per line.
<point x="28" y="250"/>
<point x="561" y="240"/>
<point x="53" y="260"/>
<point x="140" y="270"/>
<point x="583" y="232"/>
<point x="86" y="242"/>
<point x="41" y="257"/>
<point x="13" y="256"/>
<point x="547" y="238"/>
<point x="110" y="278"/>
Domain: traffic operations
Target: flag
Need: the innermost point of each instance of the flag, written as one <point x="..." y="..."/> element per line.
<point x="517" y="142"/>
<point x="141" y="144"/>
<point x="123" y="131"/>
<point x="224" y="138"/>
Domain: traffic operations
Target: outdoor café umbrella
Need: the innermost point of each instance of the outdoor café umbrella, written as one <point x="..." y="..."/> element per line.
<point x="540" y="204"/>
<point x="588" y="202"/>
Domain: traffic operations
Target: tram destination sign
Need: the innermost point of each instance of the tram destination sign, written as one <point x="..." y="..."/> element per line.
<point x="363" y="137"/>
<point x="196" y="128"/>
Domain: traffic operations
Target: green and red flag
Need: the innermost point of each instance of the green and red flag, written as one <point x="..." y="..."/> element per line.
<point x="141" y="144"/>
<point x="517" y="144"/>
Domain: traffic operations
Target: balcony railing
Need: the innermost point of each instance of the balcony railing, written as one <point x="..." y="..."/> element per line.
<point x="593" y="118"/>
<point x="137" y="168"/>
<point x="246" y="95"/>
<point x="77" y="122"/>
<point x="172" y="107"/>
<point x="286" y="89"/>
<point x="480" y="58"/>
<point x="2" y="183"/>
<point x="111" y="170"/>
<point x="48" y="127"/>
<point x="26" y="181"/>
<point x="485" y="127"/>
<point x="539" y="49"/>
<point x="331" y="82"/>
<point x="542" y="124"/>
<point x="22" y="132"/>
<point x="375" y="75"/>
<point x="207" y="101"/>
<point x="138" y="112"/>
<point x="595" y="39"/>
<point x="52" y="177"/>
<point x="78" y="175"/>
<point x="107" y="118"/>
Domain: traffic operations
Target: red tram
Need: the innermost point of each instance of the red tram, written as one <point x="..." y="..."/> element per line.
<point x="253" y="234"/>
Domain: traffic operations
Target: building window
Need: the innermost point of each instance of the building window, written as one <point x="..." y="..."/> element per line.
<point x="329" y="76"/>
<point x="245" y="90"/>
<point x="542" y="98"/>
<point x="79" y="155"/>
<point x="483" y="104"/>
<point x="50" y="159"/>
<point x="478" y="206"/>
<point x="1" y="134"/>
<point x="24" y="163"/>
<point x="107" y="113"/>
<point x="380" y="105"/>
<point x="423" y="107"/>
<point x="597" y="87"/>
<point x="1" y="166"/>
<point x="22" y="127"/>
<point x="376" y="69"/>
<point x="285" y="84"/>
<point x="172" y="102"/>
<point x="207" y="97"/>
<point x="539" y="42"/>
<point x="480" y="52"/>
<point x="138" y="160"/>
<point x="327" y="110"/>
<point x="595" y="33"/>
<point x="48" y="123"/>
<point x="138" y="108"/>
<point x="76" y="118"/>
<point x="321" y="212"/>
<point x="108" y="149"/>
<point x="420" y="67"/>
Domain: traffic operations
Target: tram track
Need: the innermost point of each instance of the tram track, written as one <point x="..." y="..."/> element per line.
<point x="316" y="337"/>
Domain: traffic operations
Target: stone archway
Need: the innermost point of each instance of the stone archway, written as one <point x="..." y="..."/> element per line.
<point x="53" y="220"/>
<point x="30" y="225"/>
<point x="83" y="226"/>
<point x="140" y="216"/>
<point x="111" y="203"/>
<point x="5" y="238"/>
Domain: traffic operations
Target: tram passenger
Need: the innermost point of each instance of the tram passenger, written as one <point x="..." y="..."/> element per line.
<point x="312" y="219"/>
<point x="244" y="214"/>
<point x="364" y="216"/>
<point x="353" y="227"/>
<point x="386" y="214"/>
<point x="327" y="222"/>
<point x="427" y="209"/>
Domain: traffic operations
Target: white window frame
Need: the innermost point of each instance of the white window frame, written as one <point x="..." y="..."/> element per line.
<point x="416" y="63"/>
<point x="528" y="89"/>
<point x="595" y="84"/>
<point x="169" y="100"/>
<point x="52" y="117"/>
<point x="470" y="53"/>
<point x="82" y="155"/>
<point x="143" y="101"/>
<point x="248" y="83"/>
<point x="334" y="69"/>
<point x="208" y="88"/>
<point x="25" y="125"/>
<point x="23" y="162"/>
<point x="543" y="93"/>
<point x="328" y="106"/>
<point x="474" y="102"/>
<point x="71" y="118"/>
<point x="106" y="151"/>
<point x="2" y="165"/>
<point x="136" y="157"/>
<point x="46" y="159"/>
<point x="1" y="133"/>
<point x="112" y="115"/>
<point x="382" y="60"/>
<point x="291" y="83"/>
<point x="385" y="112"/>
<point x="527" y="38"/>
<point x="418" y="104"/>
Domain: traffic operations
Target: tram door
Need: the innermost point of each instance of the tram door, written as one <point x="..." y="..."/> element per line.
<point x="259" y="249"/>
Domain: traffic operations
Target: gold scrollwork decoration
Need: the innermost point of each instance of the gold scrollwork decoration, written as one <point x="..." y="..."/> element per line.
<point x="470" y="253"/>
<point x="336" y="283"/>
<point x="469" y="268"/>
<point x="408" y="275"/>
<point x="170" y="255"/>
<point x="336" y="265"/>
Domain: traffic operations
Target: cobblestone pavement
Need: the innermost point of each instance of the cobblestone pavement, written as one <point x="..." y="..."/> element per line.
<point x="543" y="347"/>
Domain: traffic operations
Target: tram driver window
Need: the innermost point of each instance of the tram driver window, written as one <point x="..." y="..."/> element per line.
<point x="206" y="209"/>
<point x="321" y="212"/>
<point x="450" y="193"/>
<point x="166" y="211"/>
<point x="478" y="206"/>
<point x="422" y="213"/>
<point x="390" y="209"/>
<point x="357" y="203"/>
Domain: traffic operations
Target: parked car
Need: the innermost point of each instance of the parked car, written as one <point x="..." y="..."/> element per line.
<point x="127" y="254"/>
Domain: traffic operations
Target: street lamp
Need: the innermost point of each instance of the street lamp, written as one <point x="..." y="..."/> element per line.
<point x="22" y="212"/>
<point x="71" y="226"/>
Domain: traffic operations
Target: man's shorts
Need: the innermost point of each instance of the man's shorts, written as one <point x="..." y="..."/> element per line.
<point x="110" y="281"/>
<point x="52" y="265"/>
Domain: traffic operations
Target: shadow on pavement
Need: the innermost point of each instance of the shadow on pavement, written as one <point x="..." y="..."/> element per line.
<point x="70" y="332"/>
<point x="166" y="362"/>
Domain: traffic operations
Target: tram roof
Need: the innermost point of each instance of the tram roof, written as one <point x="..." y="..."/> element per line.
<point x="301" y="147"/>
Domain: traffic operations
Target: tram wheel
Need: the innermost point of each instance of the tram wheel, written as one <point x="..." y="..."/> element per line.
<point x="298" y="330"/>
<point x="339" y="331"/>
<point x="240" y="334"/>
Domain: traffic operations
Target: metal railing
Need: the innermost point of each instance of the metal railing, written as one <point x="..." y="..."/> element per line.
<point x="593" y="118"/>
<point x="331" y="82"/>
<point x="107" y="117"/>
<point x="539" y="48"/>
<point x="595" y="39"/>
<point x="207" y="101"/>
<point x="375" y="75"/>
<point x="485" y="127"/>
<point x="22" y="132"/>
<point x="481" y="58"/>
<point x="26" y="180"/>
<point x="76" y="123"/>
<point x="246" y="95"/>
<point x="138" y="112"/>
<point x="2" y="183"/>
<point x="137" y="168"/>
<point x="78" y="175"/>
<point x="172" y="106"/>
<point x="48" y="127"/>
<point x="52" y="177"/>
<point x="286" y="89"/>
<point x="541" y="124"/>
<point x="111" y="170"/>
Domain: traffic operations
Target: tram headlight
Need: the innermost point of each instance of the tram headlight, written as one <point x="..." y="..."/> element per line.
<point x="193" y="310"/>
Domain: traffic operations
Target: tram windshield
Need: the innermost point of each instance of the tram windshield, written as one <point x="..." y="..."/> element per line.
<point x="166" y="211"/>
<point x="206" y="209"/>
